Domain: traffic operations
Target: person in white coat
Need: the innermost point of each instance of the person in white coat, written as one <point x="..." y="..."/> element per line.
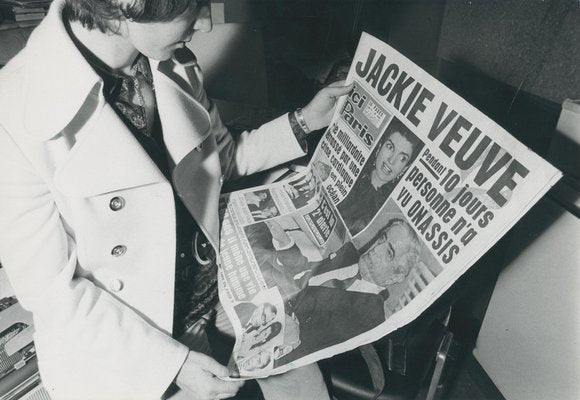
<point x="112" y="159"/>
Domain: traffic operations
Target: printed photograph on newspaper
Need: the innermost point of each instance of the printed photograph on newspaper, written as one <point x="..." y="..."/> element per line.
<point x="408" y="187"/>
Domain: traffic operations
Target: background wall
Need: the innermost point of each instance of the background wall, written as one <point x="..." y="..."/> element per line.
<point x="532" y="45"/>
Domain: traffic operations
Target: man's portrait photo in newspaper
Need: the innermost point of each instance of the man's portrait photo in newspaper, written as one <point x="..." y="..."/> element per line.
<point x="405" y="272"/>
<point x="356" y="281"/>
<point x="393" y="154"/>
<point x="357" y="278"/>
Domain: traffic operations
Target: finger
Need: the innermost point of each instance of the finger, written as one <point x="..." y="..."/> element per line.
<point x="221" y="386"/>
<point x="210" y="365"/>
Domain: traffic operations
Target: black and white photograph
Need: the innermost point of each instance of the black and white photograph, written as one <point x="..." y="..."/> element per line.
<point x="289" y="199"/>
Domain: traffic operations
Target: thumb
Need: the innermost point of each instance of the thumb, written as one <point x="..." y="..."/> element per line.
<point x="337" y="91"/>
<point x="210" y="365"/>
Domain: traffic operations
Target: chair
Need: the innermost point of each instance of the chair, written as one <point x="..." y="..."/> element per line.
<point x="396" y="367"/>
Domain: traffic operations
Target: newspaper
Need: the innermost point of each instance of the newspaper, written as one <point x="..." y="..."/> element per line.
<point x="408" y="187"/>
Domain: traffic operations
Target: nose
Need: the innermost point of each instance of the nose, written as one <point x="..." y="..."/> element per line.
<point x="203" y="22"/>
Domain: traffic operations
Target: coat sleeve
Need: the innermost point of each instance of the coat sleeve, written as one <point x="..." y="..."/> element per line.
<point x="99" y="333"/>
<point x="252" y="151"/>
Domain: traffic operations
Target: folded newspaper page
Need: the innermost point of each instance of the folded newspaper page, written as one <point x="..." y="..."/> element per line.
<point x="408" y="187"/>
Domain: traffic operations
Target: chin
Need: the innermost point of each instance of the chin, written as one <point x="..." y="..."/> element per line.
<point x="389" y="178"/>
<point x="159" y="56"/>
<point x="384" y="178"/>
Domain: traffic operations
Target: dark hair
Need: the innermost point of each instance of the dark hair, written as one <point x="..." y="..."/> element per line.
<point x="275" y="329"/>
<point x="395" y="126"/>
<point x="104" y="15"/>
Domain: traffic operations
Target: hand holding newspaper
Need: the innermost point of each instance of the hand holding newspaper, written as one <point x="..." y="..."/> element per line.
<point x="408" y="187"/>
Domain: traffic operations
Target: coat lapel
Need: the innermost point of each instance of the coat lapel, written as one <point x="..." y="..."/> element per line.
<point x="106" y="158"/>
<point x="186" y="123"/>
<point x="198" y="187"/>
<point x="186" y="126"/>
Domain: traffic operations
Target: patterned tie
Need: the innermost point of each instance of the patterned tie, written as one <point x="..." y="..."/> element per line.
<point x="136" y="99"/>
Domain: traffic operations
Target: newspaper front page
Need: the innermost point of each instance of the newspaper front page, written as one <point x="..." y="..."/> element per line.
<point x="408" y="187"/>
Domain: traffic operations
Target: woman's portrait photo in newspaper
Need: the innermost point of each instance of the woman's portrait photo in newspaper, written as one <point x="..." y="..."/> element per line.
<point x="394" y="152"/>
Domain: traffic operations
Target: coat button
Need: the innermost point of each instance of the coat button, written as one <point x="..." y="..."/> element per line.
<point x="116" y="285"/>
<point x="117" y="203"/>
<point x="119" y="250"/>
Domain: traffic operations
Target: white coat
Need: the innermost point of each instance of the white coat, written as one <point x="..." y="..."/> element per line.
<point x="103" y="317"/>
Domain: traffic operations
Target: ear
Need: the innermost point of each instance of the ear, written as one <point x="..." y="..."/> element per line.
<point x="124" y="27"/>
